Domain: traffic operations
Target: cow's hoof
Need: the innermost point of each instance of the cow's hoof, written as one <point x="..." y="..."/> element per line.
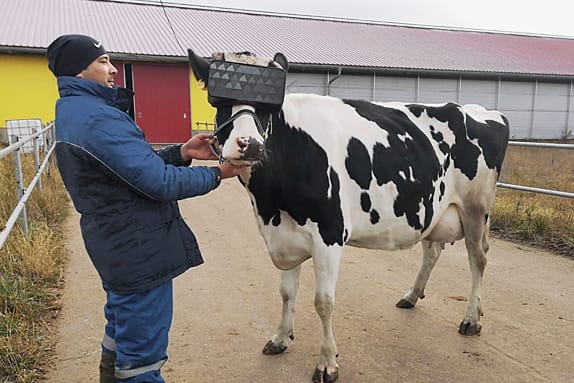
<point x="272" y="349"/>
<point x="320" y="376"/>
<point x="469" y="329"/>
<point x="404" y="304"/>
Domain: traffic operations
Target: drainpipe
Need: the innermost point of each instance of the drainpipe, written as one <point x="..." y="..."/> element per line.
<point x="374" y="92"/>
<point x="459" y="90"/>
<point x="332" y="80"/>
<point x="568" y="109"/>
<point x="498" y="93"/>
<point x="533" y="112"/>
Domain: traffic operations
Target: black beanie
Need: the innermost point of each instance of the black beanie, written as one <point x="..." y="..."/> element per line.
<point x="68" y="55"/>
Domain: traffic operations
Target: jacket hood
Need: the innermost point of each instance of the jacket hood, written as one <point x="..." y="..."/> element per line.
<point x="118" y="97"/>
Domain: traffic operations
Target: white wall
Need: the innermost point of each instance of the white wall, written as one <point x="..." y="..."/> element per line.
<point x="536" y="110"/>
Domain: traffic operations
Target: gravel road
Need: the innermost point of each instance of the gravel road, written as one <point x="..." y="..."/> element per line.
<point x="227" y="309"/>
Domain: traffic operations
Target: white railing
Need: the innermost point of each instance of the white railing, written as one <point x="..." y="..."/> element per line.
<point x="43" y="139"/>
<point x="538" y="190"/>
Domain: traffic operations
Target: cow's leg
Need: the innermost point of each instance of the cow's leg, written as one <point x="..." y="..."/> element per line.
<point x="326" y="264"/>
<point x="475" y="229"/>
<point x="288" y="290"/>
<point x="431" y="253"/>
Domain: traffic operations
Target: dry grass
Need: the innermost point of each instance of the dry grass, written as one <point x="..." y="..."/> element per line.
<point x="540" y="220"/>
<point x="30" y="274"/>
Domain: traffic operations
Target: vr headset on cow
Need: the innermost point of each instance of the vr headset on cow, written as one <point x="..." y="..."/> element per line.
<point x="230" y="83"/>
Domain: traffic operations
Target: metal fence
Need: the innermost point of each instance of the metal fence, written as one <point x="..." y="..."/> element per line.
<point x="533" y="189"/>
<point x="203" y="127"/>
<point x="42" y="140"/>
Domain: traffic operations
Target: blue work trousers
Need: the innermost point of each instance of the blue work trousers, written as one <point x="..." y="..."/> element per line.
<point x="137" y="331"/>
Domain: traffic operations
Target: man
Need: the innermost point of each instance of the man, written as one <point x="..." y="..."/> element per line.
<point x="127" y="196"/>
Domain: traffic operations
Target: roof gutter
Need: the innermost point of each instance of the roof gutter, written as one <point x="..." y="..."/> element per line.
<point x="22" y="50"/>
<point x="322" y="68"/>
<point x="114" y="56"/>
<point x="414" y="72"/>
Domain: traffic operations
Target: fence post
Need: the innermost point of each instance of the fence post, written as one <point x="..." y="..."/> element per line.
<point x="37" y="157"/>
<point x="20" y="190"/>
<point x="49" y="138"/>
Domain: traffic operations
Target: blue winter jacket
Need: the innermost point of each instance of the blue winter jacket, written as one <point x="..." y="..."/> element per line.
<point x="125" y="191"/>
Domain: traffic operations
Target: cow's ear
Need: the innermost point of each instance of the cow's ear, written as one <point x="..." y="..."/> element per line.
<point x="280" y="59"/>
<point x="199" y="66"/>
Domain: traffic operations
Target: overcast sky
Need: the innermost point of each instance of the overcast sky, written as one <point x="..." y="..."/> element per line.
<point x="548" y="17"/>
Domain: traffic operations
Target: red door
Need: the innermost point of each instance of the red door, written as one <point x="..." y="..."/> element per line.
<point x="162" y="103"/>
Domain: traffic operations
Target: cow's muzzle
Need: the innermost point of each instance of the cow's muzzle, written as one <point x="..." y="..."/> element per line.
<point x="252" y="149"/>
<point x="248" y="150"/>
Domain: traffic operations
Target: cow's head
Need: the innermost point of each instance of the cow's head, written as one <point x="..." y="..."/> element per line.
<point x="245" y="89"/>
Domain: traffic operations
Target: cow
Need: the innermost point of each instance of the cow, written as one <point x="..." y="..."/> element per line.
<point x="325" y="172"/>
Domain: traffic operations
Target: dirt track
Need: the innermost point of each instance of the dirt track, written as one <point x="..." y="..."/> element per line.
<point x="229" y="307"/>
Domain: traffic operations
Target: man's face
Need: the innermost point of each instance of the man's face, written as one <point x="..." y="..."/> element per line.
<point x="100" y="70"/>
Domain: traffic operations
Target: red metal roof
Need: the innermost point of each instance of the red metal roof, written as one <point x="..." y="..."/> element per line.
<point x="142" y="29"/>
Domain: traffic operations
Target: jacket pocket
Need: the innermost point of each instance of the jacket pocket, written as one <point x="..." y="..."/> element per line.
<point x="190" y="243"/>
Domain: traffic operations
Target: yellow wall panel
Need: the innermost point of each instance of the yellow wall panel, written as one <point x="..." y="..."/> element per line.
<point x="28" y="89"/>
<point x="201" y="111"/>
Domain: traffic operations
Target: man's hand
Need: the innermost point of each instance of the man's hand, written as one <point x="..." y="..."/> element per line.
<point x="197" y="148"/>
<point x="229" y="170"/>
